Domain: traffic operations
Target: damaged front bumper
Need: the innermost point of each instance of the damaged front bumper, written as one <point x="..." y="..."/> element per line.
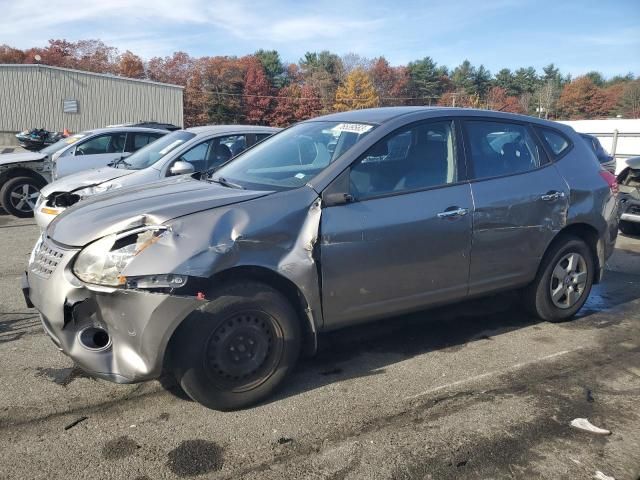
<point x="116" y="334"/>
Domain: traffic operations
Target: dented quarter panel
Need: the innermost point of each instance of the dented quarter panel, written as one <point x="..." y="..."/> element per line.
<point x="591" y="201"/>
<point x="512" y="225"/>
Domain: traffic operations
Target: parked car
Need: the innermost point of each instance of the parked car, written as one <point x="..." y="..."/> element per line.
<point x="607" y="161"/>
<point x="22" y="175"/>
<point x="150" y="124"/>
<point x="192" y="150"/>
<point x="629" y="184"/>
<point x="223" y="282"/>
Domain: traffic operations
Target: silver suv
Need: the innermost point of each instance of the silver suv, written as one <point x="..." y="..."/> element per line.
<point x="332" y="222"/>
<point x="197" y="149"/>
<point x="22" y="175"/>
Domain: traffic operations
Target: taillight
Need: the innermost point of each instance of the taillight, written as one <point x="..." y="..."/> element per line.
<point x="610" y="178"/>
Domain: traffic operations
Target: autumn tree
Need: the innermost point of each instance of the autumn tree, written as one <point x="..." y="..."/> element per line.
<point x="224" y="82"/>
<point x="582" y="99"/>
<point x="629" y="102"/>
<point x="323" y="71"/>
<point x="357" y="92"/>
<point x="256" y="92"/>
<point x="391" y="83"/>
<point x="497" y="99"/>
<point x="196" y="95"/>
<point x="295" y="103"/>
<point x="130" y="65"/>
<point x="11" y="55"/>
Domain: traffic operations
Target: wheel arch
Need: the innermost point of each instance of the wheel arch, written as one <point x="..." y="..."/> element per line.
<point x="589" y="234"/>
<point x="277" y="281"/>
<point x="15" y="172"/>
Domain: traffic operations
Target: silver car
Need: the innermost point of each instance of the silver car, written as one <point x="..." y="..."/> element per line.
<point x="332" y="222"/>
<point x="22" y="175"/>
<point x="197" y="149"/>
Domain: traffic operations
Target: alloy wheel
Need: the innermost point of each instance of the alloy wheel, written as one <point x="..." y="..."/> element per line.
<point x="23" y="197"/>
<point x="568" y="280"/>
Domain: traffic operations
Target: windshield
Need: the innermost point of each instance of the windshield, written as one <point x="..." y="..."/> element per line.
<point x="150" y="154"/>
<point x="293" y="157"/>
<point x="60" y="144"/>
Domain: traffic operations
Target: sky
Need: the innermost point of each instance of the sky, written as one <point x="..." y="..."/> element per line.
<point x="578" y="36"/>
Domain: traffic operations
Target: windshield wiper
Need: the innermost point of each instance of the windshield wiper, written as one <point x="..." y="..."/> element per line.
<point x="224" y="182"/>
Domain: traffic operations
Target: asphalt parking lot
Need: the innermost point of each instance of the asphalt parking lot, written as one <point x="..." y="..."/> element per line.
<point x="479" y="390"/>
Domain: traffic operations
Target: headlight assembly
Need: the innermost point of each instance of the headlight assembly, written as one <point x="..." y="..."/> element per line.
<point x="95" y="189"/>
<point x="103" y="261"/>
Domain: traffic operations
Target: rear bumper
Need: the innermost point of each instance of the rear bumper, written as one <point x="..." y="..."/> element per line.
<point x="139" y="323"/>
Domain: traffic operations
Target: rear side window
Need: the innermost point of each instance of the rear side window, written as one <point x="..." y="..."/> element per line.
<point x="501" y="148"/>
<point x="555" y="141"/>
<point x="142" y="139"/>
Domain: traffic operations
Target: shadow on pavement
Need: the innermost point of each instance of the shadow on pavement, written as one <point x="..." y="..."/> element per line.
<point x="342" y="353"/>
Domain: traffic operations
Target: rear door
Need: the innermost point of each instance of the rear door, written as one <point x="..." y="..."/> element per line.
<point x="404" y="241"/>
<point x="520" y="202"/>
<point x="94" y="152"/>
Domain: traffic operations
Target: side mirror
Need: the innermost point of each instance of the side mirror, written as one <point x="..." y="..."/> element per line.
<point x="333" y="199"/>
<point x="338" y="192"/>
<point x="181" y="168"/>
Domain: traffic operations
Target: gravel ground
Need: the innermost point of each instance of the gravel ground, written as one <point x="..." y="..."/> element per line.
<point x="478" y="390"/>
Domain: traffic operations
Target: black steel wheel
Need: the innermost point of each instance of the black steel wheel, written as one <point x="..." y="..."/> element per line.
<point x="238" y="348"/>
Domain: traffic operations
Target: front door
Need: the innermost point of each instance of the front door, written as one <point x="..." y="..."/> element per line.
<point x="95" y="152"/>
<point x="404" y="241"/>
<point x="521" y="202"/>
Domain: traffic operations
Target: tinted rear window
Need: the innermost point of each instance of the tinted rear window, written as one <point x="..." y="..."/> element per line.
<point x="557" y="142"/>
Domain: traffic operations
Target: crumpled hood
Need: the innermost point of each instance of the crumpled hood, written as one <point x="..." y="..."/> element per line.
<point x="84" y="179"/>
<point x="8" y="158"/>
<point x="154" y="203"/>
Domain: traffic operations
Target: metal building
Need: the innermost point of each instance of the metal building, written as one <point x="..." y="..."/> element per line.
<point x="40" y="96"/>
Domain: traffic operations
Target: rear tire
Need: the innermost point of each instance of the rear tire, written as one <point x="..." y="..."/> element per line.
<point x="19" y="195"/>
<point x="563" y="282"/>
<point x="238" y="348"/>
<point x="629" y="228"/>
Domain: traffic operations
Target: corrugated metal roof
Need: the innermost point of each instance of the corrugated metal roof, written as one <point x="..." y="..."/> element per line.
<point x="104" y="75"/>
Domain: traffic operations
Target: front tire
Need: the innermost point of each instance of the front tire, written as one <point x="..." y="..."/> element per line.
<point x="238" y="348"/>
<point x="19" y="196"/>
<point x="563" y="282"/>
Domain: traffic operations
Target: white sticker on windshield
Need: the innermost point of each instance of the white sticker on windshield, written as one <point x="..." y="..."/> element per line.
<point x="352" y="127"/>
<point x="170" y="147"/>
<point x="299" y="175"/>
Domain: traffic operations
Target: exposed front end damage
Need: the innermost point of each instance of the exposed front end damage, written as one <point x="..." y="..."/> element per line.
<point x="121" y="333"/>
<point x="41" y="167"/>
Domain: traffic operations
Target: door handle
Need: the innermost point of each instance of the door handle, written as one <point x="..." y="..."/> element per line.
<point x="552" y="196"/>
<point x="453" y="212"/>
